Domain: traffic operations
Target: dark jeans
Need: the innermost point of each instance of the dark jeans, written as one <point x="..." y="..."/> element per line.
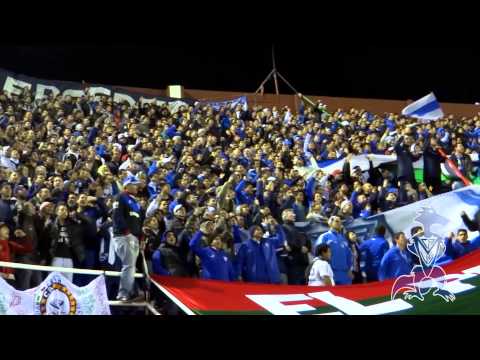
<point x="435" y="183"/>
<point x="91" y="262"/>
<point x="27" y="279"/>
<point x="296" y="275"/>
<point x="357" y="277"/>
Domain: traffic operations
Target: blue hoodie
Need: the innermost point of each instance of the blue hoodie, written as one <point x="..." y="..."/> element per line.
<point x="372" y="252"/>
<point x="342" y="258"/>
<point x="216" y="264"/>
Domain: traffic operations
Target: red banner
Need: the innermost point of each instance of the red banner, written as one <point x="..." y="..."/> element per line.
<point x="216" y="297"/>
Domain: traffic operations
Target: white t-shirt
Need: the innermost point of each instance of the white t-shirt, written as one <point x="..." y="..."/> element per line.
<point x="320" y="268"/>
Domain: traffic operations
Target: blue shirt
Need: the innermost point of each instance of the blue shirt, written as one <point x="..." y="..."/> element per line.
<point x="395" y="263"/>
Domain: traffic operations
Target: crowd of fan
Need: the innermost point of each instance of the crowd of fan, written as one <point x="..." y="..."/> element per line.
<point x="212" y="194"/>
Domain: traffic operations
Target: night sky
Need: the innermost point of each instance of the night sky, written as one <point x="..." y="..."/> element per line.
<point x="388" y="73"/>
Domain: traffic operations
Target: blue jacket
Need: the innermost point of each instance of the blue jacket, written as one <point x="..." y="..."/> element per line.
<point x="241" y="197"/>
<point x="239" y="236"/>
<point x="371" y="255"/>
<point x="257" y="262"/>
<point x="342" y="258"/>
<point x="7" y="213"/>
<point x="172" y="131"/>
<point x="216" y="264"/>
<point x="456" y="249"/>
<point x="394" y="264"/>
<point x="357" y="207"/>
<point x="310" y="190"/>
<point x="92" y="134"/>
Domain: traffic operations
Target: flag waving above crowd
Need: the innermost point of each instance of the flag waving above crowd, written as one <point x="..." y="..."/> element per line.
<point x="426" y="108"/>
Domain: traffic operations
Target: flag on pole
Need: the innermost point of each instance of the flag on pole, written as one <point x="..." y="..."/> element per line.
<point x="427" y="108"/>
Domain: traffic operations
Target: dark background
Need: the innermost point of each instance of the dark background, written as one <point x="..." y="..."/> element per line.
<point x="385" y="73"/>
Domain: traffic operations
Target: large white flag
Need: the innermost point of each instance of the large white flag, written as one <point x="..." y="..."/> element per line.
<point x="427" y="108"/>
<point x="56" y="295"/>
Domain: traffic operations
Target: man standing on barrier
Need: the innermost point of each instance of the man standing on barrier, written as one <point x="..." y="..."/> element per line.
<point x="127" y="231"/>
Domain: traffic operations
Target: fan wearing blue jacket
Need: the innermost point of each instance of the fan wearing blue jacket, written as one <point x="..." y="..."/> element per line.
<point x="397" y="261"/>
<point x="216" y="264"/>
<point x="371" y="254"/>
<point x="256" y="260"/>
<point x="462" y="246"/>
<point x="342" y="259"/>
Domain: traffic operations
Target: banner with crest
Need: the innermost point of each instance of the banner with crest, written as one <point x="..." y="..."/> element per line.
<point x="56" y="295"/>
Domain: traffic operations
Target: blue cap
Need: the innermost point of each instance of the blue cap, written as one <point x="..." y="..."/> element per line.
<point x="392" y="190"/>
<point x="131" y="180"/>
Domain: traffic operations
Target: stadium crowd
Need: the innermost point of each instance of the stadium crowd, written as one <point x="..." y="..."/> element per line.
<point x="212" y="194"/>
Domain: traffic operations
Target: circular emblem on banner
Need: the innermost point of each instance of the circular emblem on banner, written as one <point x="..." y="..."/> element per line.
<point x="56" y="299"/>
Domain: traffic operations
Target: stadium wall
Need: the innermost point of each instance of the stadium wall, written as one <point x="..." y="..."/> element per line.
<point x="377" y="106"/>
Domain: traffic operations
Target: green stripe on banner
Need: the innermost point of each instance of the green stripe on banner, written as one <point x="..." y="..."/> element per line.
<point x="419" y="177"/>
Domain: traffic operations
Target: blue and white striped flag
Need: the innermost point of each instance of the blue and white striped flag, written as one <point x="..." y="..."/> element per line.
<point x="427" y="108"/>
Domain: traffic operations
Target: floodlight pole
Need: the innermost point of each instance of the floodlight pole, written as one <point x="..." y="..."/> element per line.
<point x="275" y="75"/>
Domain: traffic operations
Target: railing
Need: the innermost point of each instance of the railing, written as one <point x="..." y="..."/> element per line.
<point x="145" y="304"/>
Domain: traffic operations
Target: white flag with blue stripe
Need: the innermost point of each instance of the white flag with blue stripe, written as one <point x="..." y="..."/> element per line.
<point x="427" y="108"/>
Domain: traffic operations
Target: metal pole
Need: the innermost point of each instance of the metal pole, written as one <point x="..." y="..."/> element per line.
<point x="275" y="70"/>
<point x="264" y="81"/>
<point x="276" y="82"/>
<point x="63" y="270"/>
<point x="286" y="82"/>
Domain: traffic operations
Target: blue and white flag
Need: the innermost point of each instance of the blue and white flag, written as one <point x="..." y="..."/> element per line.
<point x="232" y="104"/>
<point x="427" y="108"/>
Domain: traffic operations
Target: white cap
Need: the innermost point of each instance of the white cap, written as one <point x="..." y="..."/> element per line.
<point x="177" y="207"/>
<point x="211" y="209"/>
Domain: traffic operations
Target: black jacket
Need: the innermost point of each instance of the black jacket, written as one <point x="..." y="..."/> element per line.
<point x="472" y="225"/>
<point x="431" y="163"/>
<point x="172" y="260"/>
<point x="74" y="230"/>
<point x="296" y="240"/>
<point x="405" y="160"/>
